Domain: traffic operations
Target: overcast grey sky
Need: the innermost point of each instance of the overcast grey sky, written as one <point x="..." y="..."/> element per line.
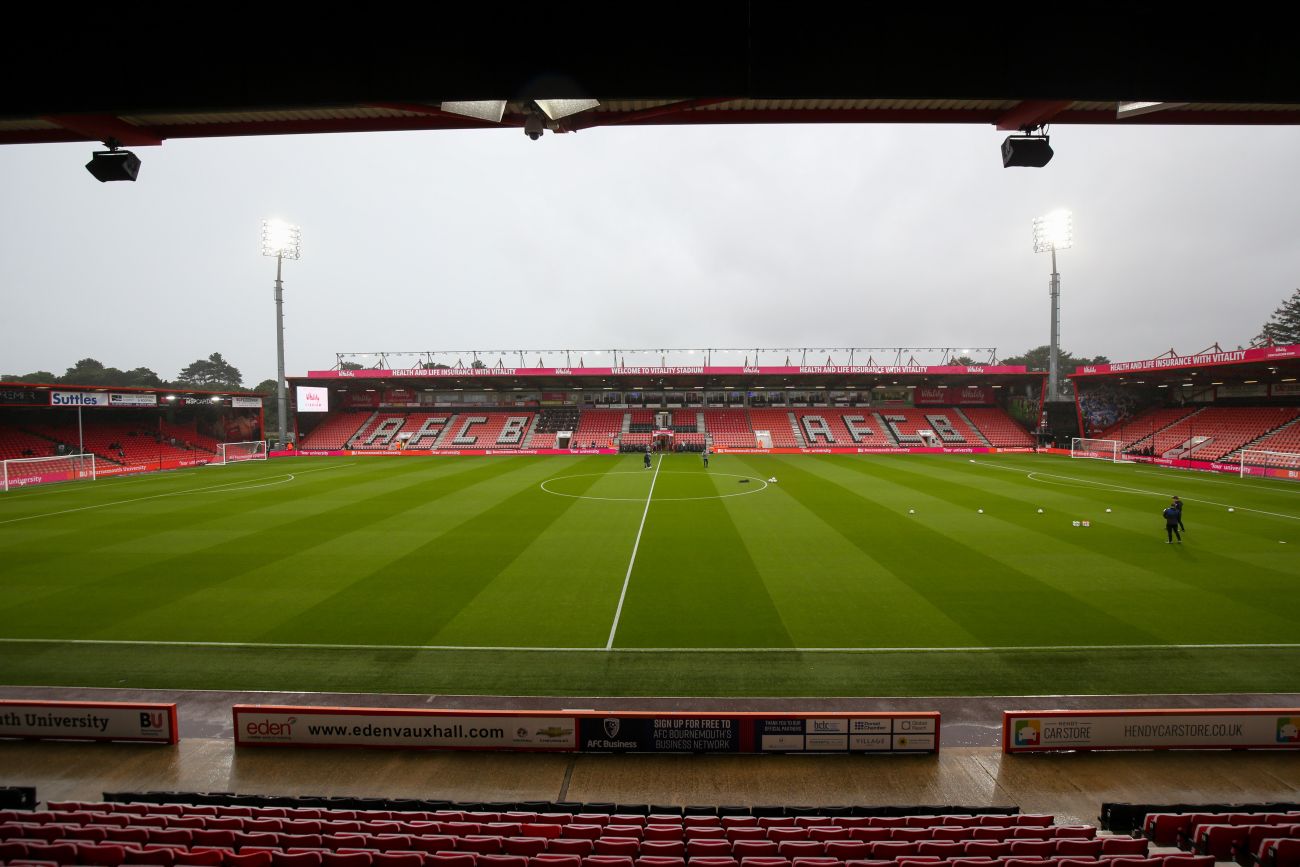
<point x="654" y="237"/>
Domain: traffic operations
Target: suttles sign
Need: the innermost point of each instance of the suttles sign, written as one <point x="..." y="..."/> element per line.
<point x="78" y="398"/>
<point x="246" y="402"/>
<point x="88" y="721"/>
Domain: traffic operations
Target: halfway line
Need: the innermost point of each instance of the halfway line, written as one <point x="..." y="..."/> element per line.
<point x="635" y="545"/>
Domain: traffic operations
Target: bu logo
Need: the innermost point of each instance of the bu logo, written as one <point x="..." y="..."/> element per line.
<point x="151" y="720"/>
<point x="611" y="727"/>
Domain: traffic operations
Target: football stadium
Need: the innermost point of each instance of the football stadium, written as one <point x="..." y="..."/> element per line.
<point x="859" y="606"/>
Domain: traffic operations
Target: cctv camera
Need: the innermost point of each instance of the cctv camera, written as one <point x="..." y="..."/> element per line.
<point x="534" y="126"/>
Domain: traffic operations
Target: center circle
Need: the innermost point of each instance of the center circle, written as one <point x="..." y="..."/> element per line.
<point x="555" y="486"/>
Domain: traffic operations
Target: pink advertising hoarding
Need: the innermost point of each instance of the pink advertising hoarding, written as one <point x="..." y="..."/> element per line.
<point x="1205" y="359"/>
<point x="462" y="372"/>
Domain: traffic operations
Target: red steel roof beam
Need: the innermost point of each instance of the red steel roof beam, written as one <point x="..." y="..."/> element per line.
<point x="1031" y="113"/>
<point x="102" y="127"/>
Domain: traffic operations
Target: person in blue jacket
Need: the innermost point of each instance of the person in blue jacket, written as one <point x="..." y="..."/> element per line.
<point x="1171" y="525"/>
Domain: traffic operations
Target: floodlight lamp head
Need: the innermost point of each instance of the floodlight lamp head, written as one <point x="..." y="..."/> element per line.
<point x="1033" y="151"/>
<point x="1054" y="231"/>
<point x="534" y="125"/>
<point x="113" y="164"/>
<point x="281" y="239"/>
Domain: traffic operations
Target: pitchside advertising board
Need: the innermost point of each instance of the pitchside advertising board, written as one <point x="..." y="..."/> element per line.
<point x="565" y="731"/>
<point x="1205" y="729"/>
<point x="88" y="721"/>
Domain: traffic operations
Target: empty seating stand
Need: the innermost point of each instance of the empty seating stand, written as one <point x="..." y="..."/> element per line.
<point x="239" y="831"/>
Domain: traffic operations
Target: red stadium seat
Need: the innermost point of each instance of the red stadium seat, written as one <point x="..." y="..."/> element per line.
<point x="621" y="846"/>
<point x="697" y="848"/>
<point x="259" y="858"/>
<point x="527" y="846"/>
<point x="607" y="861"/>
<point x="755" y="848"/>
<point x="357" y="859"/>
<point x="450" y="859"/>
<point x="296" y="859"/>
<point x="664" y="848"/>
<point x="502" y="861"/>
<point x="554" y="860"/>
<point x="659" y="861"/>
<point x="581" y="847"/>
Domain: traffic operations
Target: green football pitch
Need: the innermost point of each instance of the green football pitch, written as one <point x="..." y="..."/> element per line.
<point x="762" y="575"/>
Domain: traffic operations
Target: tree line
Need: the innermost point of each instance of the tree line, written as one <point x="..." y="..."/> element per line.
<point x="213" y="373"/>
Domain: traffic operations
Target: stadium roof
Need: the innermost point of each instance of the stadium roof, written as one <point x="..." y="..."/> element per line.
<point x="1265" y="364"/>
<point x="726" y="62"/>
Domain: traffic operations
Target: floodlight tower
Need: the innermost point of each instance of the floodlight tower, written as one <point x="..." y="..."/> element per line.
<point x="1054" y="232"/>
<point x="283" y="241"/>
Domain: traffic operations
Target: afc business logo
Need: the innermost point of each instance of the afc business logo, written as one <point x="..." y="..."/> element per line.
<point x="611" y="727"/>
<point x="1028" y="732"/>
<point x="151" y="722"/>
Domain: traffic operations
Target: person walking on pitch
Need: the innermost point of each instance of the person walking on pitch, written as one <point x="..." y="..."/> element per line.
<point x="705" y="454"/>
<point x="647" y="457"/>
<point x="1178" y="504"/>
<point x="1171" y="525"/>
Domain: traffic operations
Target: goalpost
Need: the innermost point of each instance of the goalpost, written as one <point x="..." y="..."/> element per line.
<point x="22" y="472"/>
<point x="233" y="453"/>
<point x="1105" y="450"/>
<point x="1261" y="459"/>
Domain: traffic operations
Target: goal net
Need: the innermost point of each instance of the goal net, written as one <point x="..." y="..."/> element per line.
<point x="233" y="453"/>
<point x="22" y="472"/>
<point x="1259" y="461"/>
<point x="1104" y="450"/>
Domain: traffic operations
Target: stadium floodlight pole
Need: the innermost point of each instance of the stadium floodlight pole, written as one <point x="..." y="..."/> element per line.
<point x="1054" y="232"/>
<point x="283" y="241"/>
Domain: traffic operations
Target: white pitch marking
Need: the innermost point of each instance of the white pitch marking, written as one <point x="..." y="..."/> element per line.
<point x="1042" y="477"/>
<point x="1238" y="482"/>
<point x="978" y="649"/>
<point x="218" y="488"/>
<point x="635" y="545"/>
<point x="638" y="499"/>
<point x="100" y="484"/>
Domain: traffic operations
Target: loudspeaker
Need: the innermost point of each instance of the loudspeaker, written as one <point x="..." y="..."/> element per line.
<point x="1033" y="151"/>
<point x="114" y="166"/>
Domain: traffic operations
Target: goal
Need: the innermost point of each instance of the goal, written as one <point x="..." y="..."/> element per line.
<point x="233" y="453"/>
<point x="22" y="472"/>
<point x="1259" y="461"/>
<point x="1104" y="450"/>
